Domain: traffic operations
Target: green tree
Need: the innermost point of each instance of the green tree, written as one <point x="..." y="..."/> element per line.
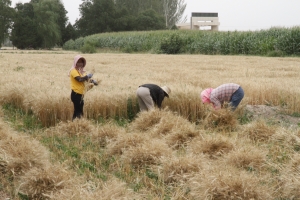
<point x="124" y="21"/>
<point x="70" y="33"/>
<point x="24" y="32"/>
<point x="39" y="24"/>
<point x="46" y="18"/>
<point x="135" y="7"/>
<point x="6" y="18"/>
<point x="149" y="20"/>
<point x="97" y="16"/>
<point x="173" y="12"/>
<point x="62" y="22"/>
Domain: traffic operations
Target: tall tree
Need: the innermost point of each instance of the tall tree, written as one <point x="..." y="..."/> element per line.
<point x="149" y="20"/>
<point x="24" y="32"/>
<point x="46" y="18"/>
<point x="39" y="24"/>
<point x="135" y="7"/>
<point x="97" y="16"/>
<point x="173" y="12"/>
<point x="124" y="21"/>
<point x="70" y="33"/>
<point x="6" y="18"/>
<point x="62" y="22"/>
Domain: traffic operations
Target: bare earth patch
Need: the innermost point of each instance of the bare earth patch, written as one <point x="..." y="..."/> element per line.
<point x="272" y="114"/>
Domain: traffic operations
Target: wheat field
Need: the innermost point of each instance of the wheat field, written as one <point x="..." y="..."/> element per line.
<point x="184" y="151"/>
<point x="39" y="81"/>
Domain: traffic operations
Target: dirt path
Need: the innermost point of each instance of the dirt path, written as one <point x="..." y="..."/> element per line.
<point x="274" y="115"/>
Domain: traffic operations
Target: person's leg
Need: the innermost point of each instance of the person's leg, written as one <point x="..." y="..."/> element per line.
<point x="78" y="105"/>
<point x="139" y="94"/>
<point x="236" y="98"/>
<point x="74" y="104"/>
<point x="144" y="99"/>
<point x="81" y="104"/>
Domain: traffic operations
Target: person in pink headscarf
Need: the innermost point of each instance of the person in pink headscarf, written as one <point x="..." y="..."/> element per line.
<point x="77" y="78"/>
<point x="231" y="93"/>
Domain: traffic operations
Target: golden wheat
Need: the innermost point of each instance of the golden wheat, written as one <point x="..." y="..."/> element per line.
<point x="38" y="81"/>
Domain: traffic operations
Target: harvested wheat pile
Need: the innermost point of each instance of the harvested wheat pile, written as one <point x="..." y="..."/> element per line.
<point x="290" y="179"/>
<point x="284" y="137"/>
<point x="115" y="189"/>
<point x="178" y="169"/>
<point x="259" y="131"/>
<point x="21" y="154"/>
<point x="221" y="120"/>
<point x="125" y="141"/>
<point x="181" y="137"/>
<point x="222" y="183"/>
<point x="165" y="124"/>
<point x="247" y="157"/>
<point x="148" y="153"/>
<point x="146" y="120"/>
<point x="108" y="133"/>
<point x="78" y="127"/>
<point x="213" y="146"/>
<point x="171" y="122"/>
<point x="42" y="183"/>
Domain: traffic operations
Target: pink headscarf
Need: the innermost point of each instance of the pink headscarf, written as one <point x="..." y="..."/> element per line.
<point x="205" y="95"/>
<point x="76" y="58"/>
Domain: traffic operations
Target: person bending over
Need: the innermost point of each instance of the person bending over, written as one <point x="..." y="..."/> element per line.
<point x="150" y="95"/>
<point x="231" y="93"/>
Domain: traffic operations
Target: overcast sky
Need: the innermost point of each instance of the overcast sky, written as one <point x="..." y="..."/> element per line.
<point x="233" y="14"/>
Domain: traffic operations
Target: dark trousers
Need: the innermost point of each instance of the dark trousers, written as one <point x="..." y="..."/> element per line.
<point x="236" y="98"/>
<point x="78" y="102"/>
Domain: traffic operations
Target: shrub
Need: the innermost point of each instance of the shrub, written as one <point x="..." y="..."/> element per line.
<point x="88" y="48"/>
<point x="78" y="43"/>
<point x="69" y="45"/>
<point x="172" y="44"/>
<point x="276" y="53"/>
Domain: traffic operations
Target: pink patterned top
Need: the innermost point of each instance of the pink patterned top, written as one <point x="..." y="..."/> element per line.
<point x="223" y="94"/>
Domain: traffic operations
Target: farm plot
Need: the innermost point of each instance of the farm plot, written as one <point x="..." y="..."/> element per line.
<point x="184" y="151"/>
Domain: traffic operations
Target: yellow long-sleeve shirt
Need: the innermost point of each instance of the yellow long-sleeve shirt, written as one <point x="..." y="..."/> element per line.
<point x="76" y="86"/>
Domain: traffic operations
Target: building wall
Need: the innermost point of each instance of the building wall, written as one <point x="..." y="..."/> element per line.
<point x="204" y="20"/>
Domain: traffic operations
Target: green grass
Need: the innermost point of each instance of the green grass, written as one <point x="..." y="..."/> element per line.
<point x="245" y="117"/>
<point x="20" y="120"/>
<point x="295" y="114"/>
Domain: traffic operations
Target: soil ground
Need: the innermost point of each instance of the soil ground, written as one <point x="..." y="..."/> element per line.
<point x="271" y="114"/>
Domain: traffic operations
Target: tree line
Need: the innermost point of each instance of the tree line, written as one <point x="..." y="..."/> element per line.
<point x="44" y="23"/>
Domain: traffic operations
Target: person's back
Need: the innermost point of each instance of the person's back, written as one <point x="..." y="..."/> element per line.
<point x="150" y="95"/>
<point x="223" y="93"/>
<point x="229" y="92"/>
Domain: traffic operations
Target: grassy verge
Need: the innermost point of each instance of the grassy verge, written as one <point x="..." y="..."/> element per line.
<point x="21" y="120"/>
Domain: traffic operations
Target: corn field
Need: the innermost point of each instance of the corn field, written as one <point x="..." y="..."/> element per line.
<point x="271" y="42"/>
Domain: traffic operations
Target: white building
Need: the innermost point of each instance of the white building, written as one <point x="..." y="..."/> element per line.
<point x="200" y="21"/>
